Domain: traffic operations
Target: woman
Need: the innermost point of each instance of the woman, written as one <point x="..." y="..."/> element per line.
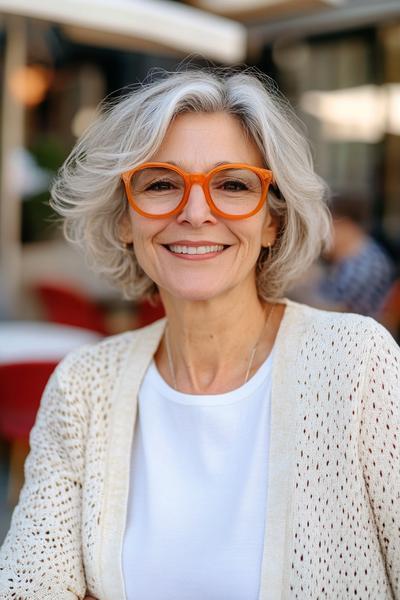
<point x="245" y="447"/>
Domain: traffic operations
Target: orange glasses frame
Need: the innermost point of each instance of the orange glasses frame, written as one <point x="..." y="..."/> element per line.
<point x="266" y="178"/>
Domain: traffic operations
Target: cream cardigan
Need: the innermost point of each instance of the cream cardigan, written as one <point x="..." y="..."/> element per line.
<point x="333" y="510"/>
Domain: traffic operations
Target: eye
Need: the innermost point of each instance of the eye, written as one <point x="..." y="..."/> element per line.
<point x="161" y="185"/>
<point x="234" y="185"/>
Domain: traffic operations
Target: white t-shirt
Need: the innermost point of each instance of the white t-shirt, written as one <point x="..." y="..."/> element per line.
<point x="198" y="488"/>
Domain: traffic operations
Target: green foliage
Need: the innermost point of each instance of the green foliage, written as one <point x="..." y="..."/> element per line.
<point x="38" y="218"/>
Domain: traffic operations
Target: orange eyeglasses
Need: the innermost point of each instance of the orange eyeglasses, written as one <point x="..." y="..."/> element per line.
<point x="233" y="191"/>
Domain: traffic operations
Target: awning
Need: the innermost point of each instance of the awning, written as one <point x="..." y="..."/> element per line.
<point x="266" y="9"/>
<point x="161" y="24"/>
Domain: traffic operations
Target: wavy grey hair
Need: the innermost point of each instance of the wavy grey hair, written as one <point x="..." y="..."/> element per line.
<point x="89" y="195"/>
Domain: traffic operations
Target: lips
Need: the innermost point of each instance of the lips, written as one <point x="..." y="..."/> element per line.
<point x="198" y="248"/>
<point x="203" y="249"/>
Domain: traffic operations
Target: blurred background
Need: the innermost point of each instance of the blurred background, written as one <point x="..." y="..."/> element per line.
<point x="338" y="61"/>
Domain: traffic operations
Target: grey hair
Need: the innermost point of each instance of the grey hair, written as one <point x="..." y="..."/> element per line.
<point x="88" y="192"/>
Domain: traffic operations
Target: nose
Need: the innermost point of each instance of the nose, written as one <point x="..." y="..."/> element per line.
<point x="196" y="211"/>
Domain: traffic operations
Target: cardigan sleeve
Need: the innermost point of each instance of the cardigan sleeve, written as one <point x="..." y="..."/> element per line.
<point x="380" y="447"/>
<point x="41" y="557"/>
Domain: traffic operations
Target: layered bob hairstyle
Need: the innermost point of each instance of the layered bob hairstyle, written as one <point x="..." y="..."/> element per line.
<point x="89" y="195"/>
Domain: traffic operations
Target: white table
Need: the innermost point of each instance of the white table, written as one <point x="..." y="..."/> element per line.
<point x="35" y="340"/>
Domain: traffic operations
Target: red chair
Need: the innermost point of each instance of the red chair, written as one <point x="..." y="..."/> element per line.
<point x="21" y="388"/>
<point x="66" y="305"/>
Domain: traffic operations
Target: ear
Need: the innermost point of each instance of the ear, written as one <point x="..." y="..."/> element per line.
<point x="270" y="230"/>
<point x="125" y="229"/>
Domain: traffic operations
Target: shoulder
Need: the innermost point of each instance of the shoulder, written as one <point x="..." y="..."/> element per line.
<point x="106" y="358"/>
<point x="339" y="329"/>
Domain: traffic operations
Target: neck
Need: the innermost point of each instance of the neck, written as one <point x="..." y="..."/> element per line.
<point x="211" y="341"/>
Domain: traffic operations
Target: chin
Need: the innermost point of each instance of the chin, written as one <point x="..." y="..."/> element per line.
<point x="193" y="293"/>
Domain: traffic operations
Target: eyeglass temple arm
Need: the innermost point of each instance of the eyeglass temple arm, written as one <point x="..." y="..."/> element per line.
<point x="275" y="187"/>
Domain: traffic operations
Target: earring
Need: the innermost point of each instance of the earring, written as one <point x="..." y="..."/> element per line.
<point x="269" y="247"/>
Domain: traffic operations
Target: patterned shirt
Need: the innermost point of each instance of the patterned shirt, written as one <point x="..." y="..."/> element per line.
<point x="360" y="283"/>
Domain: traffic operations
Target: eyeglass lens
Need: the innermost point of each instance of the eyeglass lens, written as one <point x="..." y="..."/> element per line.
<point x="159" y="190"/>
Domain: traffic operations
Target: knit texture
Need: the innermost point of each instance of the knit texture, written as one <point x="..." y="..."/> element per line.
<point x="346" y="535"/>
<point x="342" y="522"/>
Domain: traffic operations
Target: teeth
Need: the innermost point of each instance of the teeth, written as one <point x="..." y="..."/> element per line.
<point x="195" y="249"/>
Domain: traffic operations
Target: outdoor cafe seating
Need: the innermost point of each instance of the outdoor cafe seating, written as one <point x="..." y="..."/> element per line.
<point x="29" y="352"/>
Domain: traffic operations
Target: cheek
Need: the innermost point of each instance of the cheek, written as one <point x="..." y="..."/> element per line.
<point x="250" y="236"/>
<point x="142" y="248"/>
<point x="144" y="233"/>
<point x="143" y="230"/>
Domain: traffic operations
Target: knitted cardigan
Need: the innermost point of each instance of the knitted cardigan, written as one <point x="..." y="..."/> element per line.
<point x="332" y="526"/>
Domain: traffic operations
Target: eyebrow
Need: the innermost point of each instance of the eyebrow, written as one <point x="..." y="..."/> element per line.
<point x="217" y="164"/>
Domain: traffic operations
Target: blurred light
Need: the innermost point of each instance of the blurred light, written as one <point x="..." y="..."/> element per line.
<point x="83" y="118"/>
<point x="363" y="113"/>
<point x="29" y="84"/>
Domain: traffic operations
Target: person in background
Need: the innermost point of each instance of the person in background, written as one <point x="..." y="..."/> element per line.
<point x="245" y="446"/>
<point x="359" y="273"/>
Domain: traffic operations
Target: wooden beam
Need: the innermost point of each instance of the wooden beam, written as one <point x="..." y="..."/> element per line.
<point x="12" y="139"/>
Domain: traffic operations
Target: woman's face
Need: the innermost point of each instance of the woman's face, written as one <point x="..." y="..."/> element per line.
<point x="196" y="142"/>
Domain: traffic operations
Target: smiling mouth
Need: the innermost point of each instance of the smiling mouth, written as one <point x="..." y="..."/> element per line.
<point x="195" y="250"/>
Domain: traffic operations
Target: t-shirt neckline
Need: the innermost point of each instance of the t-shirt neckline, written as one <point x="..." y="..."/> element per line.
<point x="244" y="391"/>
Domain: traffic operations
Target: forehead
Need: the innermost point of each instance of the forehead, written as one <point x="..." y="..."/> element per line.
<point x="207" y="138"/>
